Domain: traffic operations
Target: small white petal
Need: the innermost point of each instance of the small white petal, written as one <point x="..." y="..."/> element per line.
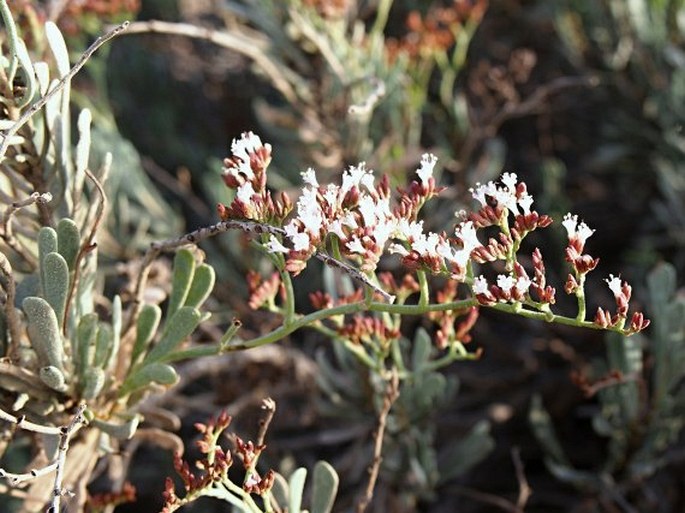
<point x="570" y="222"/>
<point x="398" y="249"/>
<point x="352" y="177"/>
<point x="367" y="208"/>
<point x="428" y="161"/>
<point x="478" y="194"/>
<point x="355" y="246"/>
<point x="410" y="230"/>
<point x="584" y="231"/>
<point x="508" y="199"/>
<point x="331" y="195"/>
<point x="245" y="193"/>
<point x="614" y="283"/>
<point x="510" y="180"/>
<point x="525" y="202"/>
<point x="522" y="284"/>
<point x="480" y="285"/>
<point x="300" y="241"/>
<point x="309" y="177"/>
<point x="367" y="181"/>
<point x="275" y="246"/>
<point x="467" y="233"/>
<point x="505" y="282"/>
<point x="336" y="228"/>
<point x="383" y="231"/>
<point x="248" y="143"/>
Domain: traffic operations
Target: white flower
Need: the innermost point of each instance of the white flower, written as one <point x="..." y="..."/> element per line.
<point x="410" y="230"/>
<point x="522" y="284"/>
<point x="525" y="202"/>
<point x="510" y="180"/>
<point x="398" y="249"/>
<point x="579" y="231"/>
<point x="467" y="233"/>
<point x="481" y="191"/>
<point x="507" y="198"/>
<point x="309" y="211"/>
<point x="248" y="143"/>
<point x="245" y="193"/>
<point x="241" y="149"/>
<point x="461" y="257"/>
<point x="426" y="245"/>
<point x="275" y="246"/>
<point x="309" y="177"/>
<point x="444" y="249"/>
<point x="480" y="285"/>
<point x="300" y="241"/>
<point x="349" y="220"/>
<point x="383" y="208"/>
<point x="355" y="246"/>
<point x="336" y="228"/>
<point x="583" y="232"/>
<point x="614" y="283"/>
<point x="428" y="161"/>
<point x="505" y="282"/>
<point x="367" y="181"/>
<point x="383" y="231"/>
<point x="478" y="194"/>
<point x="367" y="208"/>
<point x="331" y="195"/>
<point x="356" y="176"/>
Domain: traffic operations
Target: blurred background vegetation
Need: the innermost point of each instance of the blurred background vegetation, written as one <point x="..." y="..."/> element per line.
<point x="584" y="99"/>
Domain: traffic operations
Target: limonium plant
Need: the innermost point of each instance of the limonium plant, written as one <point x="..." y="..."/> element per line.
<point x="352" y="225"/>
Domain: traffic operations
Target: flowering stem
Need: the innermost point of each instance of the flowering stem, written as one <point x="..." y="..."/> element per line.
<point x="347" y="309"/>
<point x="360" y="306"/>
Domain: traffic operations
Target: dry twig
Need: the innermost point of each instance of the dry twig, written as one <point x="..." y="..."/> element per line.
<point x="65" y="434"/>
<point x="392" y="392"/>
<point x="7" y="233"/>
<point x="253" y="48"/>
<point x="252" y="227"/>
<point x="30" y="112"/>
<point x="13" y="322"/>
<point x="88" y="245"/>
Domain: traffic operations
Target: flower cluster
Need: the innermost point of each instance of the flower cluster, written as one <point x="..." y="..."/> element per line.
<point x="101" y="501"/>
<point x="262" y="292"/>
<point x="214" y="467"/>
<point x="622" y="292"/>
<point x="365" y="330"/>
<point x="449" y="331"/>
<point x="245" y="171"/>
<point x="360" y="220"/>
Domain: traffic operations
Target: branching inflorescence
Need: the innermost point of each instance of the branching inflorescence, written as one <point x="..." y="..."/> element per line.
<point x="360" y="220"/>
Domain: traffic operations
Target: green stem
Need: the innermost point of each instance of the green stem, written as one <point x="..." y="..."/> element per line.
<point x="355" y="349"/>
<point x="423" y="287"/>
<point x="452" y="355"/>
<point x="381" y="17"/>
<point x="550" y="317"/>
<point x="289" y="310"/>
<point x="301" y="322"/>
<point x="580" y="294"/>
